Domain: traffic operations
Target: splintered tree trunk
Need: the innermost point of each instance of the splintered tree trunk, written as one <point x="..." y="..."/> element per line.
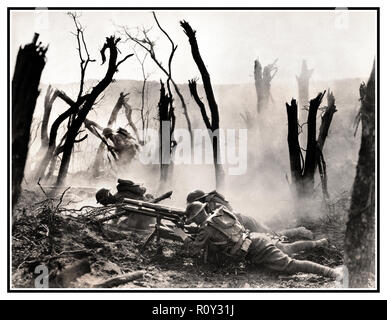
<point x="302" y="172"/>
<point x="311" y="147"/>
<point x="51" y="95"/>
<point x="128" y="114"/>
<point x="326" y="121"/>
<point x="360" y="233"/>
<point x="87" y="103"/>
<point x="30" y="62"/>
<point x="213" y="126"/>
<point x="165" y="133"/>
<point x="50" y="152"/>
<point x="303" y="84"/>
<point x="49" y="99"/>
<point x="263" y="78"/>
<point x="294" y="147"/>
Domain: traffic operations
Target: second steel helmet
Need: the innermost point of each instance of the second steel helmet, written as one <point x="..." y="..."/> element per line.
<point x="193" y="209"/>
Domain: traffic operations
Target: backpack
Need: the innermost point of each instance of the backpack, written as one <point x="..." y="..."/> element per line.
<point x="225" y="222"/>
<point x="130" y="186"/>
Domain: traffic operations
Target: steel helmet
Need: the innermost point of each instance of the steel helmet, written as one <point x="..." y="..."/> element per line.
<point x="101" y="195"/>
<point x="195" y="195"/>
<point x="193" y="209"/>
<point x="107" y="131"/>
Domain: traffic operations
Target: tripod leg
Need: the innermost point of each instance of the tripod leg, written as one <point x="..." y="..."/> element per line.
<point x="157" y="230"/>
<point x="149" y="239"/>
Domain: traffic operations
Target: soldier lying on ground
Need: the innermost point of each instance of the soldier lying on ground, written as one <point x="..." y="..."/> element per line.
<point x="131" y="190"/>
<point x="214" y="199"/>
<point x="223" y="231"/>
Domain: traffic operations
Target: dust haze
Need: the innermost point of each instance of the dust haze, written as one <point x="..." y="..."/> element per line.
<point x="339" y="46"/>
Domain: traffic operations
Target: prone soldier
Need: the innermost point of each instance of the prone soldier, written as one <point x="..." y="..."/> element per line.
<point x="214" y="199"/>
<point x="223" y="231"/>
<point x="131" y="190"/>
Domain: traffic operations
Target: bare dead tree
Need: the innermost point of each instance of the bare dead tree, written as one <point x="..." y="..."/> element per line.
<point x="303" y="169"/>
<point x="303" y="84"/>
<point x="326" y="120"/>
<point x="360" y="233"/>
<point x="51" y="95"/>
<point x="30" y="62"/>
<point x="51" y="149"/>
<point x="166" y="127"/>
<point x="83" y="104"/>
<point x="92" y="126"/>
<point x="35" y="126"/>
<point x="213" y="124"/>
<point x="117" y="107"/>
<point x="149" y="46"/>
<point x="128" y="113"/>
<point x="145" y="77"/>
<point x="295" y="154"/>
<point x="263" y="78"/>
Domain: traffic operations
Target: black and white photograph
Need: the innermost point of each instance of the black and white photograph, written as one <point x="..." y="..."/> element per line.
<point x="193" y="149"/>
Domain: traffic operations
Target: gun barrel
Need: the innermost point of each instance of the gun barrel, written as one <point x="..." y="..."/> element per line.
<point x="157" y="207"/>
<point x="148" y="209"/>
<point x="151" y="212"/>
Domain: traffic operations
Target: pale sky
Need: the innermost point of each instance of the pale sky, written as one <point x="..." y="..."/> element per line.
<point x="336" y="44"/>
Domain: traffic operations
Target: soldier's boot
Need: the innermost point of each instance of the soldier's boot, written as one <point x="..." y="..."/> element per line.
<point x="311" y="267"/>
<point x="292" y="248"/>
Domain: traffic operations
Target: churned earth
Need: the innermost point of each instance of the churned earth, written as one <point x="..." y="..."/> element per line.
<point x="80" y="253"/>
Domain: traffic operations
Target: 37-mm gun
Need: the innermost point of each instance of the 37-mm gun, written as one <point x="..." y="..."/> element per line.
<point x="161" y="212"/>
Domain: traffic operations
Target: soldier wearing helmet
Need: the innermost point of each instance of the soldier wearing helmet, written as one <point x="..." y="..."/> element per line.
<point x="214" y="199"/>
<point x="124" y="144"/>
<point x="104" y="197"/>
<point x="107" y="132"/>
<point x="131" y="190"/>
<point x="222" y="230"/>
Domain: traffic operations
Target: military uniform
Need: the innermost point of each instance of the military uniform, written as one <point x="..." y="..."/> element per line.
<point x="131" y="190"/>
<point x="214" y="200"/>
<point x="124" y="144"/>
<point x="225" y="233"/>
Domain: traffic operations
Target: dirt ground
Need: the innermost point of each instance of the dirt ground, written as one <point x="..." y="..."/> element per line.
<point x="46" y="233"/>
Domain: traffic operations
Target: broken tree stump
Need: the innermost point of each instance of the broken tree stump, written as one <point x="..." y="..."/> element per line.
<point x="30" y="62"/>
<point x="302" y="171"/>
<point x="263" y="78"/>
<point x="360" y="233"/>
<point x="213" y="124"/>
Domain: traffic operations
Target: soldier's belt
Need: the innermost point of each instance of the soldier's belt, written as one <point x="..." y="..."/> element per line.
<point x="243" y="244"/>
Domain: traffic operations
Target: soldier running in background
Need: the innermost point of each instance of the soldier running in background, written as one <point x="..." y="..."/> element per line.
<point x="223" y="231"/>
<point x="124" y="144"/>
